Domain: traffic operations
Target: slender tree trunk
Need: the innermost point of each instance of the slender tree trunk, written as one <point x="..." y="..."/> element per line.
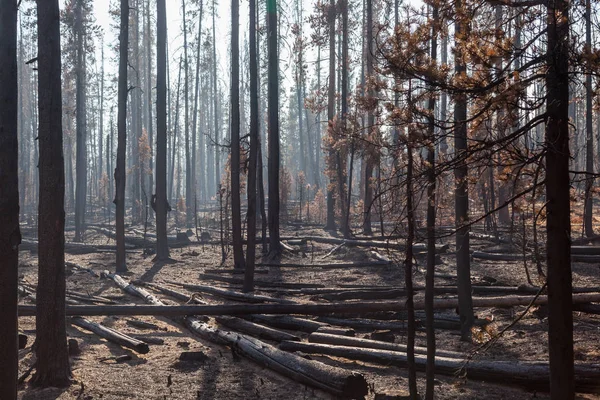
<point x="150" y="124"/>
<point x="330" y="225"/>
<point x="136" y="120"/>
<point x="254" y="144"/>
<point x="121" y="138"/>
<point x="273" y="95"/>
<point x="175" y="135"/>
<point x="589" y="149"/>
<point x="368" y="162"/>
<point x="408" y="266"/>
<point x="461" y="193"/>
<point x="162" y="247"/>
<point x="101" y="127"/>
<point x="345" y="209"/>
<point x="236" y="214"/>
<point x="10" y="235"/>
<point x="430" y="268"/>
<point x="195" y="127"/>
<point x="189" y="207"/>
<point x="216" y="105"/>
<point x="51" y="343"/>
<point x="80" y="110"/>
<point x="558" y="223"/>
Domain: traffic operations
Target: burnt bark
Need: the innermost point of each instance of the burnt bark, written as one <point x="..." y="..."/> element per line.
<point x="10" y="235"/>
<point x="51" y="345"/>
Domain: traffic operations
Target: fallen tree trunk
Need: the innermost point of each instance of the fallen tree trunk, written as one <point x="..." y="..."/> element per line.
<point x="141" y="242"/>
<point x="366" y="264"/>
<point x="288" y="322"/>
<point x="188" y="298"/>
<point x="338" y="381"/>
<point x="364" y="324"/>
<point x="531" y="375"/>
<point x="257" y="330"/>
<point x="111" y="335"/>
<point x="306" y="309"/>
<point x="298" y="324"/>
<point x="497" y="256"/>
<point x="71" y="247"/>
<point x="290" y="285"/>
<point x="325" y="338"/>
<point x="230" y="294"/>
<point x="331" y="379"/>
<point x="132" y="289"/>
<point x="587" y="308"/>
<point x="381" y="244"/>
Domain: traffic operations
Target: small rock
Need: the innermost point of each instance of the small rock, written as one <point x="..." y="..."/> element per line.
<point x="193" y="356"/>
<point x="74" y="349"/>
<point x="183" y="344"/>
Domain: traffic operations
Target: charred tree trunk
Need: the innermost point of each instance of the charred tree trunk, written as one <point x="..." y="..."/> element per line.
<point x="558" y="224"/>
<point x="430" y="269"/>
<point x="51" y="344"/>
<point x="589" y="149"/>
<point x="330" y="225"/>
<point x="461" y="191"/>
<point x="9" y="200"/>
<point x="80" y="111"/>
<point x="254" y="144"/>
<point x="162" y="246"/>
<point x="236" y="213"/>
<point x="273" y="95"/>
<point x="121" y="138"/>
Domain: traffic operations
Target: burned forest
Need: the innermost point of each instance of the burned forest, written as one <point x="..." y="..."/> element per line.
<point x="299" y="199"/>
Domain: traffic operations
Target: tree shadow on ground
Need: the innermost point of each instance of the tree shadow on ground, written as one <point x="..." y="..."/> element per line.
<point x="149" y="275"/>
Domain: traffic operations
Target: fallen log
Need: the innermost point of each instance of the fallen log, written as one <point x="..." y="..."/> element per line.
<point x="381" y="244"/>
<point x="230" y="294"/>
<point x="111" y="335"/>
<point x="141" y="242"/>
<point x="531" y="375"/>
<point x="257" y="330"/>
<point x="332" y="379"/>
<point x="587" y="308"/>
<point x="88" y="298"/>
<point x="289" y="285"/>
<point x="132" y="289"/>
<point x="325" y="338"/>
<point x="305" y="309"/>
<point x="288" y="322"/>
<point x="71" y="247"/>
<point x="497" y="256"/>
<point x="364" y="324"/>
<point x="364" y="295"/>
<point x="366" y="264"/>
<point x="296" y="242"/>
<point x="298" y="324"/>
<point x="338" y="381"/>
<point x="188" y="298"/>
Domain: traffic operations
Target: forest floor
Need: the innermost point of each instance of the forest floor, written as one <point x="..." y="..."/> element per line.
<point x="224" y="375"/>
